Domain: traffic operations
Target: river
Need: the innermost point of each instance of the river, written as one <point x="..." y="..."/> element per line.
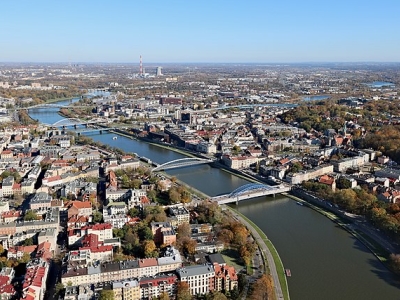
<point x="326" y="262"/>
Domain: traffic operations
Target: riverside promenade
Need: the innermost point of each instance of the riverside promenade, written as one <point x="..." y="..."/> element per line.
<point x="266" y="254"/>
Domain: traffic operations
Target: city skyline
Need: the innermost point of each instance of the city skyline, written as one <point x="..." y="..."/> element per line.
<point x="203" y="32"/>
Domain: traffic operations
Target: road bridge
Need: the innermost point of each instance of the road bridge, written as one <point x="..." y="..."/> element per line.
<point x="183" y="162"/>
<point x="249" y="191"/>
<point x="75" y="122"/>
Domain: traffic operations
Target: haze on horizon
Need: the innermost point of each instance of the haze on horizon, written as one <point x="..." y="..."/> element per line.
<point x="178" y="31"/>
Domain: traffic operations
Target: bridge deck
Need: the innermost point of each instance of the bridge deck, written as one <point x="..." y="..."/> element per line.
<point x="224" y="199"/>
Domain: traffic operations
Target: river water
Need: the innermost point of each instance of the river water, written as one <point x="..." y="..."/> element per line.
<point x="326" y="262"/>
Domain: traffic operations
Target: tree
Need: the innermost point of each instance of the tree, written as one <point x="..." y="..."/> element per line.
<point x="97" y="217"/>
<point x="1" y="249"/>
<point x="26" y="257"/>
<point x="218" y="296"/>
<point x="236" y="150"/>
<point x="133" y="212"/>
<point x="263" y="288"/>
<point x="152" y="195"/>
<point x="106" y="295"/>
<point x="28" y="242"/>
<point x="30" y="215"/>
<point x="174" y="196"/>
<point x="149" y="248"/>
<point x="163" y="296"/>
<point x="234" y="293"/>
<point x="184" y="230"/>
<point x="183" y="292"/>
<point x="395" y="262"/>
<point x="59" y="288"/>
<point x="343" y="183"/>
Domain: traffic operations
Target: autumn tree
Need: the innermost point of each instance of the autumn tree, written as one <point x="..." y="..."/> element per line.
<point x="174" y="196"/>
<point x="184" y="230"/>
<point x="163" y="296"/>
<point x="154" y="213"/>
<point x="183" y="291"/>
<point x="149" y="248"/>
<point x="263" y="288"/>
<point x="217" y="295"/>
<point x="395" y="262"/>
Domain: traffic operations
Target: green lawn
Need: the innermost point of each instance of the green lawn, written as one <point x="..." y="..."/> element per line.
<point x="232" y="258"/>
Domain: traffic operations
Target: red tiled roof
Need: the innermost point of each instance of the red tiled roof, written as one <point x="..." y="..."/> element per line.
<point x="147" y="262"/>
<point x="326" y="179"/>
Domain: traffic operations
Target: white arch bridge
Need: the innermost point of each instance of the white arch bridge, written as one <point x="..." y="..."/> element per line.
<point x="183" y="162"/>
<point x="75" y="122"/>
<point x="249" y="191"/>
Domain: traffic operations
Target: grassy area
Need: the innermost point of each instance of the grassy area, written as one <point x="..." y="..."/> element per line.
<point x="381" y="253"/>
<point x="232" y="258"/>
<point x="277" y="260"/>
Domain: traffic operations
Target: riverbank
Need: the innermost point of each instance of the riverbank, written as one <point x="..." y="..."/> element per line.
<point x="371" y="244"/>
<point x="271" y="258"/>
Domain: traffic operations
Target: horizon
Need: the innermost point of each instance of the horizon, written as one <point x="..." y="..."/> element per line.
<point x="208" y="63"/>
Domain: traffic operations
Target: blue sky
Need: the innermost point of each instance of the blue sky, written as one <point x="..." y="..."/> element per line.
<point x="260" y="31"/>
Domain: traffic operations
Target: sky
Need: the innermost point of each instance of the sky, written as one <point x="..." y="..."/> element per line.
<point x="200" y="31"/>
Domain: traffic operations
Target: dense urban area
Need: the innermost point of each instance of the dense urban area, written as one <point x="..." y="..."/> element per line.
<point x="83" y="220"/>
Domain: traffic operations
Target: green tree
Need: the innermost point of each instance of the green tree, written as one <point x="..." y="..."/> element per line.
<point x="97" y="217"/>
<point x="59" y="288"/>
<point x="343" y="183"/>
<point x="26" y="257"/>
<point x="28" y="242"/>
<point x="106" y="295"/>
<point x="30" y="215"/>
<point x="152" y="195"/>
<point x="133" y="212"/>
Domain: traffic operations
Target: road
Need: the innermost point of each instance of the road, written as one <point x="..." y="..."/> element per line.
<point x="266" y="253"/>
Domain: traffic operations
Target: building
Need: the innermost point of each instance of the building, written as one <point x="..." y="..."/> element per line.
<point x="180" y="214"/>
<point x="200" y="278"/>
<point x="79" y="208"/>
<point x="115" y="214"/>
<point x="34" y="284"/>
<point x="152" y="287"/>
<point x="40" y="201"/>
<point x="126" y="289"/>
<point x="163" y="233"/>
<point x="239" y="162"/>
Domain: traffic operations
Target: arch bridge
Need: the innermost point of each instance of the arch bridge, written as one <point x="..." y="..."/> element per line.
<point x="74" y="122"/>
<point x="251" y="190"/>
<point x="182" y="162"/>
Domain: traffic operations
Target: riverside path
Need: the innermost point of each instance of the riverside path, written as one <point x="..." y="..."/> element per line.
<point x="266" y="252"/>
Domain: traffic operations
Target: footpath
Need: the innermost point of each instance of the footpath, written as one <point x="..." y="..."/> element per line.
<point x="266" y="254"/>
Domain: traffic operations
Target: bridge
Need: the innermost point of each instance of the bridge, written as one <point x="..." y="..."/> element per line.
<point x="50" y="105"/>
<point x="75" y="122"/>
<point x="249" y="191"/>
<point x="183" y="162"/>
